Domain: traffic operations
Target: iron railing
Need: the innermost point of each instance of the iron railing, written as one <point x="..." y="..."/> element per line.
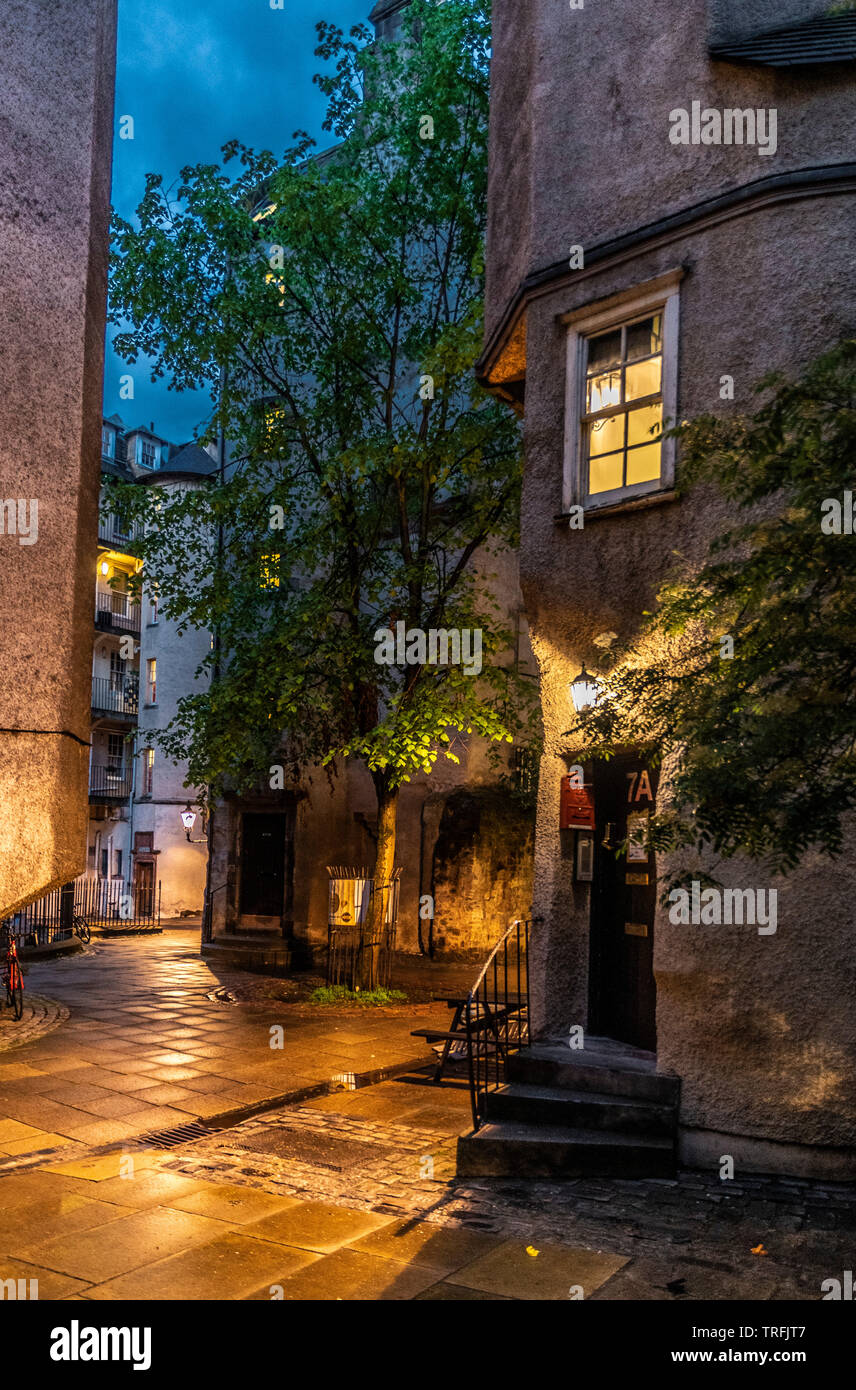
<point x="104" y="903"/>
<point x="111" y="782"/>
<point x="358" y="956"/>
<point x="116" y="611"/>
<point x="497" y="1015"/>
<point x="117" y="532"/>
<point x="116" y="695"/>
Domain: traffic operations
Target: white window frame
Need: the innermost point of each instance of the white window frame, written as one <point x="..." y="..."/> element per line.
<point x="661" y="295"/>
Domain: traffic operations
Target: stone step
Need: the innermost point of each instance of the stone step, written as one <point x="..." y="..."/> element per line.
<point x="512" y="1150"/>
<point x="559" y="1107"/>
<point x="632" y="1076"/>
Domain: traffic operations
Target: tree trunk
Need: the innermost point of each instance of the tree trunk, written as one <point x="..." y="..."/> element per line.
<point x="387" y="807"/>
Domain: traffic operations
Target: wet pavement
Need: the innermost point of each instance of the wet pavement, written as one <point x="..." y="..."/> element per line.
<point x="142" y="1048"/>
<point x="351" y="1195"/>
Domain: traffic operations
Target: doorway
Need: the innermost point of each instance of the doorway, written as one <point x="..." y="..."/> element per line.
<point x="624" y="896"/>
<point x="263" y="863"/>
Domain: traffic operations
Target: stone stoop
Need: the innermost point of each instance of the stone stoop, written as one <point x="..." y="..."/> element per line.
<point x="604" y="1112"/>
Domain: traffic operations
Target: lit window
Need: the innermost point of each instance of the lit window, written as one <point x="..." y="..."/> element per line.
<point x="623" y="408"/>
<point x="279" y="283"/>
<point x="148" y="771"/>
<point x="269" y="571"/>
<point x="622" y="387"/>
<point x="152" y="681"/>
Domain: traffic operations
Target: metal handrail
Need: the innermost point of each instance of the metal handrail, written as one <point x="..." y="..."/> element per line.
<point x="497" y="1017"/>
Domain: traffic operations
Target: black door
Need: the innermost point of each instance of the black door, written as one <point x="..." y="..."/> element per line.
<point x="263" y="863"/>
<point x="624" y="895"/>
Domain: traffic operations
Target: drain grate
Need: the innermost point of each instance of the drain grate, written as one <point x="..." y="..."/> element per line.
<point x="179" y="1134"/>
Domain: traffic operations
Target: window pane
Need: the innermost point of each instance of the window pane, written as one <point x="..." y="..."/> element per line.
<point x="605" y="474"/>
<point x="607" y="435"/>
<point x="604" y="350"/>
<point x="643" y="465"/>
<point x="640" y="423"/>
<point x="603" y="391"/>
<point x="644" y="338"/>
<point x="643" y="379"/>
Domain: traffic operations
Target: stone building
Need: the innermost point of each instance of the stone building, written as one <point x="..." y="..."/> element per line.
<point x="56" y="111"/>
<point x="464" y="842"/>
<point x="641" y="250"/>
<point x="141" y="667"/>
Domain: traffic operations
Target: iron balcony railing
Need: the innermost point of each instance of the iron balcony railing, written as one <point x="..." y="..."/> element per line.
<point x="116" y="611"/>
<point x="116" y="695"/>
<point x="112" y="781"/>
<point x="118" y="533"/>
<point x="497" y="1015"/>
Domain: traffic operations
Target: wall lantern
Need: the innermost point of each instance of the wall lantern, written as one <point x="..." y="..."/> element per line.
<point x="188" y="820"/>
<point x="584" y="688"/>
<point x="105" y="568"/>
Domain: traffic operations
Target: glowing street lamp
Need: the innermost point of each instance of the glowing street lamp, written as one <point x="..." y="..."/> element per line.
<point x="188" y="819"/>
<point x="584" y="688"/>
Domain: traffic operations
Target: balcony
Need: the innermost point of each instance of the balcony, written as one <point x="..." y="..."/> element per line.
<point x="118" y="534"/>
<point x="116" y="612"/>
<point x="116" y="695"/>
<point x="109" y="783"/>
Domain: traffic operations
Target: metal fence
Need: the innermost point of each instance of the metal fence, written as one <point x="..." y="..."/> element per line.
<point x="113" y="782"/>
<point x="358" y="957"/>
<point x="116" y="694"/>
<point x="116" y="611"/>
<point x="102" y="903"/>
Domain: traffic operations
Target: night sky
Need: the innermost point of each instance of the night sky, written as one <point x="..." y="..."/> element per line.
<point x="194" y="74"/>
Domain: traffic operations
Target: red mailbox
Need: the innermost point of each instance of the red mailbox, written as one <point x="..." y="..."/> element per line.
<point x="576" y="807"/>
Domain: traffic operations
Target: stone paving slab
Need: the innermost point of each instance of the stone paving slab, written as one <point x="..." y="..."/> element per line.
<point x="143" y="1048"/>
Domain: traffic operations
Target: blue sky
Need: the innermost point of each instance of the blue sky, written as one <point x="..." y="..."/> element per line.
<point x="194" y="74"/>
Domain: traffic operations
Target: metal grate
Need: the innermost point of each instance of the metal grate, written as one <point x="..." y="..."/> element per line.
<point x="180" y="1134"/>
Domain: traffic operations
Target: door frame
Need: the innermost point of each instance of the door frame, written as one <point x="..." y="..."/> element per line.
<point x="598" y="981"/>
<point x="286" y="809"/>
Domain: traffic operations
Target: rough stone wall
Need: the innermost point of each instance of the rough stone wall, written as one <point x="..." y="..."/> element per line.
<point x="761" y="1029"/>
<point x="57" y="62"/>
<point x="481" y="871"/>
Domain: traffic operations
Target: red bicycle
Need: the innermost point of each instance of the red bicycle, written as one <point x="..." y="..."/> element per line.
<point x="13" y="979"/>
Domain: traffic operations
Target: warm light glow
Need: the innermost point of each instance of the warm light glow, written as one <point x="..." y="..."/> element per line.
<point x="584" y="689"/>
<point x="264" y="212"/>
<point x="105" y="568"/>
<point x="188" y="818"/>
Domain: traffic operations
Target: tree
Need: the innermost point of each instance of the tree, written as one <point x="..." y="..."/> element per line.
<point x="332" y="306"/>
<point x="743" y="678"/>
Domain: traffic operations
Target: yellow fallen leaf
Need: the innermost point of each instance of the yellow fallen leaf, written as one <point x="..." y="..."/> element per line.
<point x="530" y="1250"/>
<point x="758" y="1250"/>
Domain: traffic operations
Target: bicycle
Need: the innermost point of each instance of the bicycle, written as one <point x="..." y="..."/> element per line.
<point x="80" y="927"/>
<point x="13" y="979"/>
